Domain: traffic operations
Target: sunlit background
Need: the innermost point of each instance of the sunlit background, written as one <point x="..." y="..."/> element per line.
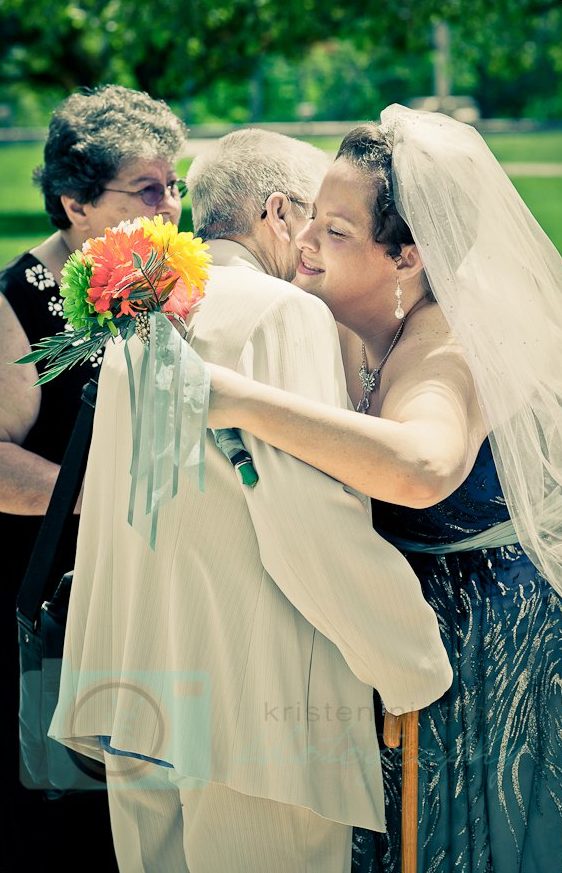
<point x="306" y="67"/>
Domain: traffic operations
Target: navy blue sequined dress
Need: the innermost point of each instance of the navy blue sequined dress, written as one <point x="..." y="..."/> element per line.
<point x="490" y="792"/>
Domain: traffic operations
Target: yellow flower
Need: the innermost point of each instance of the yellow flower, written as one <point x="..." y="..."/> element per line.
<point x="158" y="231"/>
<point x="186" y="255"/>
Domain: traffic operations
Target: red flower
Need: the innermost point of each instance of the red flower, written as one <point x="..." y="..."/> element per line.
<point x="178" y="301"/>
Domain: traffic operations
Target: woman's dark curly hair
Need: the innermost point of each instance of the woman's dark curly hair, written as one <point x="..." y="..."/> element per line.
<point x="369" y="148"/>
<point x="93" y="134"/>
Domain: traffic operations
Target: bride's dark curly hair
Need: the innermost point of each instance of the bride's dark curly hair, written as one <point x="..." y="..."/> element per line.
<point x="369" y="148"/>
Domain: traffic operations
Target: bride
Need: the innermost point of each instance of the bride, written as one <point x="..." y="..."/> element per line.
<point x="449" y="297"/>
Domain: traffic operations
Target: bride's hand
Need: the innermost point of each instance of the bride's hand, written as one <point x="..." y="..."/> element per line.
<point x="228" y="388"/>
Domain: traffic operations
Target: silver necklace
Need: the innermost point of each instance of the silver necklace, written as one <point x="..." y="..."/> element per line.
<point x="370" y="379"/>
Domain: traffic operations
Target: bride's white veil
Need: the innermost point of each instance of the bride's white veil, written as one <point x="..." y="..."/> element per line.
<point x="498" y="279"/>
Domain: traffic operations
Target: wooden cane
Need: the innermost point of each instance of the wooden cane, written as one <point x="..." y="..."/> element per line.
<point x="406" y="727"/>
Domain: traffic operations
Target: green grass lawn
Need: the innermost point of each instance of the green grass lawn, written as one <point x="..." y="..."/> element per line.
<point x="543" y="146"/>
<point x="17" y="162"/>
<point x="23" y="222"/>
<point x="10" y="246"/>
<point x="544" y="199"/>
<point x="17" y="192"/>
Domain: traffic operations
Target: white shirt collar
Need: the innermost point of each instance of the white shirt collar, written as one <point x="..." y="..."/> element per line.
<point x="227" y="253"/>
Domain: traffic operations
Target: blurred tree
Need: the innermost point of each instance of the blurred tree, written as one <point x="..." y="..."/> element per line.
<point x="182" y="49"/>
<point x="336" y="80"/>
<point x="512" y="64"/>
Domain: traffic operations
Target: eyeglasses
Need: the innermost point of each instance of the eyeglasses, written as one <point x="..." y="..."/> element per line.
<point x="153" y="194"/>
<point x="307" y="207"/>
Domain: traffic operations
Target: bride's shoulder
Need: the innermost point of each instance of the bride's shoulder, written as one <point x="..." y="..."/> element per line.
<point x="428" y="345"/>
<point x="428" y="326"/>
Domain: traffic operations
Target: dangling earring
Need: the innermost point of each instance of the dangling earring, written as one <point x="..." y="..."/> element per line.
<point x="398" y="312"/>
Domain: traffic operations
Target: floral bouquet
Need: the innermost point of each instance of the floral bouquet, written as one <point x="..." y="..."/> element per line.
<point x="112" y="286"/>
<point x="143" y="278"/>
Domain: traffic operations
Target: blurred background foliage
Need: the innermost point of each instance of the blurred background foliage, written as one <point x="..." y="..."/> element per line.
<point x="248" y="60"/>
<point x="255" y="61"/>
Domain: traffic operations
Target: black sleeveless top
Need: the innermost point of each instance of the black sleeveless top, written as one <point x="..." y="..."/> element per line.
<point x="32" y="292"/>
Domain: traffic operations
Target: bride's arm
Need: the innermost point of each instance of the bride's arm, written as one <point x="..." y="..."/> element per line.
<point x="420" y="449"/>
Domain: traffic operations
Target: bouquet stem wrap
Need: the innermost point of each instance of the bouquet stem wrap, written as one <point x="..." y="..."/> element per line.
<point x="229" y="442"/>
<point x="169" y="409"/>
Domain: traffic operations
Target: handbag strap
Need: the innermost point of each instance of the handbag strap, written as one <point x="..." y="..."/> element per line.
<point x="34" y="588"/>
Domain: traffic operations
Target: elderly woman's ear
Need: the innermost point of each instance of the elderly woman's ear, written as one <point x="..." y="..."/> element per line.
<point x="75" y="212"/>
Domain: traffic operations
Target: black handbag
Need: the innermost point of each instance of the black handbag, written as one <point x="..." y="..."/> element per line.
<point x="41" y="615"/>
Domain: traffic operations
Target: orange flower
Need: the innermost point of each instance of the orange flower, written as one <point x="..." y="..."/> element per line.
<point x="113" y="272"/>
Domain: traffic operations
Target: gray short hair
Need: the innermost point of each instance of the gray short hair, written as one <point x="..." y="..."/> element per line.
<point x="230" y="183"/>
<point x="93" y="134"/>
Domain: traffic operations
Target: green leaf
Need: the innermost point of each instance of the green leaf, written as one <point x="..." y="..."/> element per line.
<point x="130" y="329"/>
<point x="64" y="350"/>
<point x="49" y="375"/>
<point x="168" y="288"/>
<point x="31" y="358"/>
<point x="151" y="259"/>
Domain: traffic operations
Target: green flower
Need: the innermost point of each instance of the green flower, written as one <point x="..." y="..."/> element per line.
<point x="75" y="284"/>
<point x="105" y="319"/>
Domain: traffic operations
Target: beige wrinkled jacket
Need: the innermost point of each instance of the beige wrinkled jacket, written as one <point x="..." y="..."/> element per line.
<point x="244" y="649"/>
